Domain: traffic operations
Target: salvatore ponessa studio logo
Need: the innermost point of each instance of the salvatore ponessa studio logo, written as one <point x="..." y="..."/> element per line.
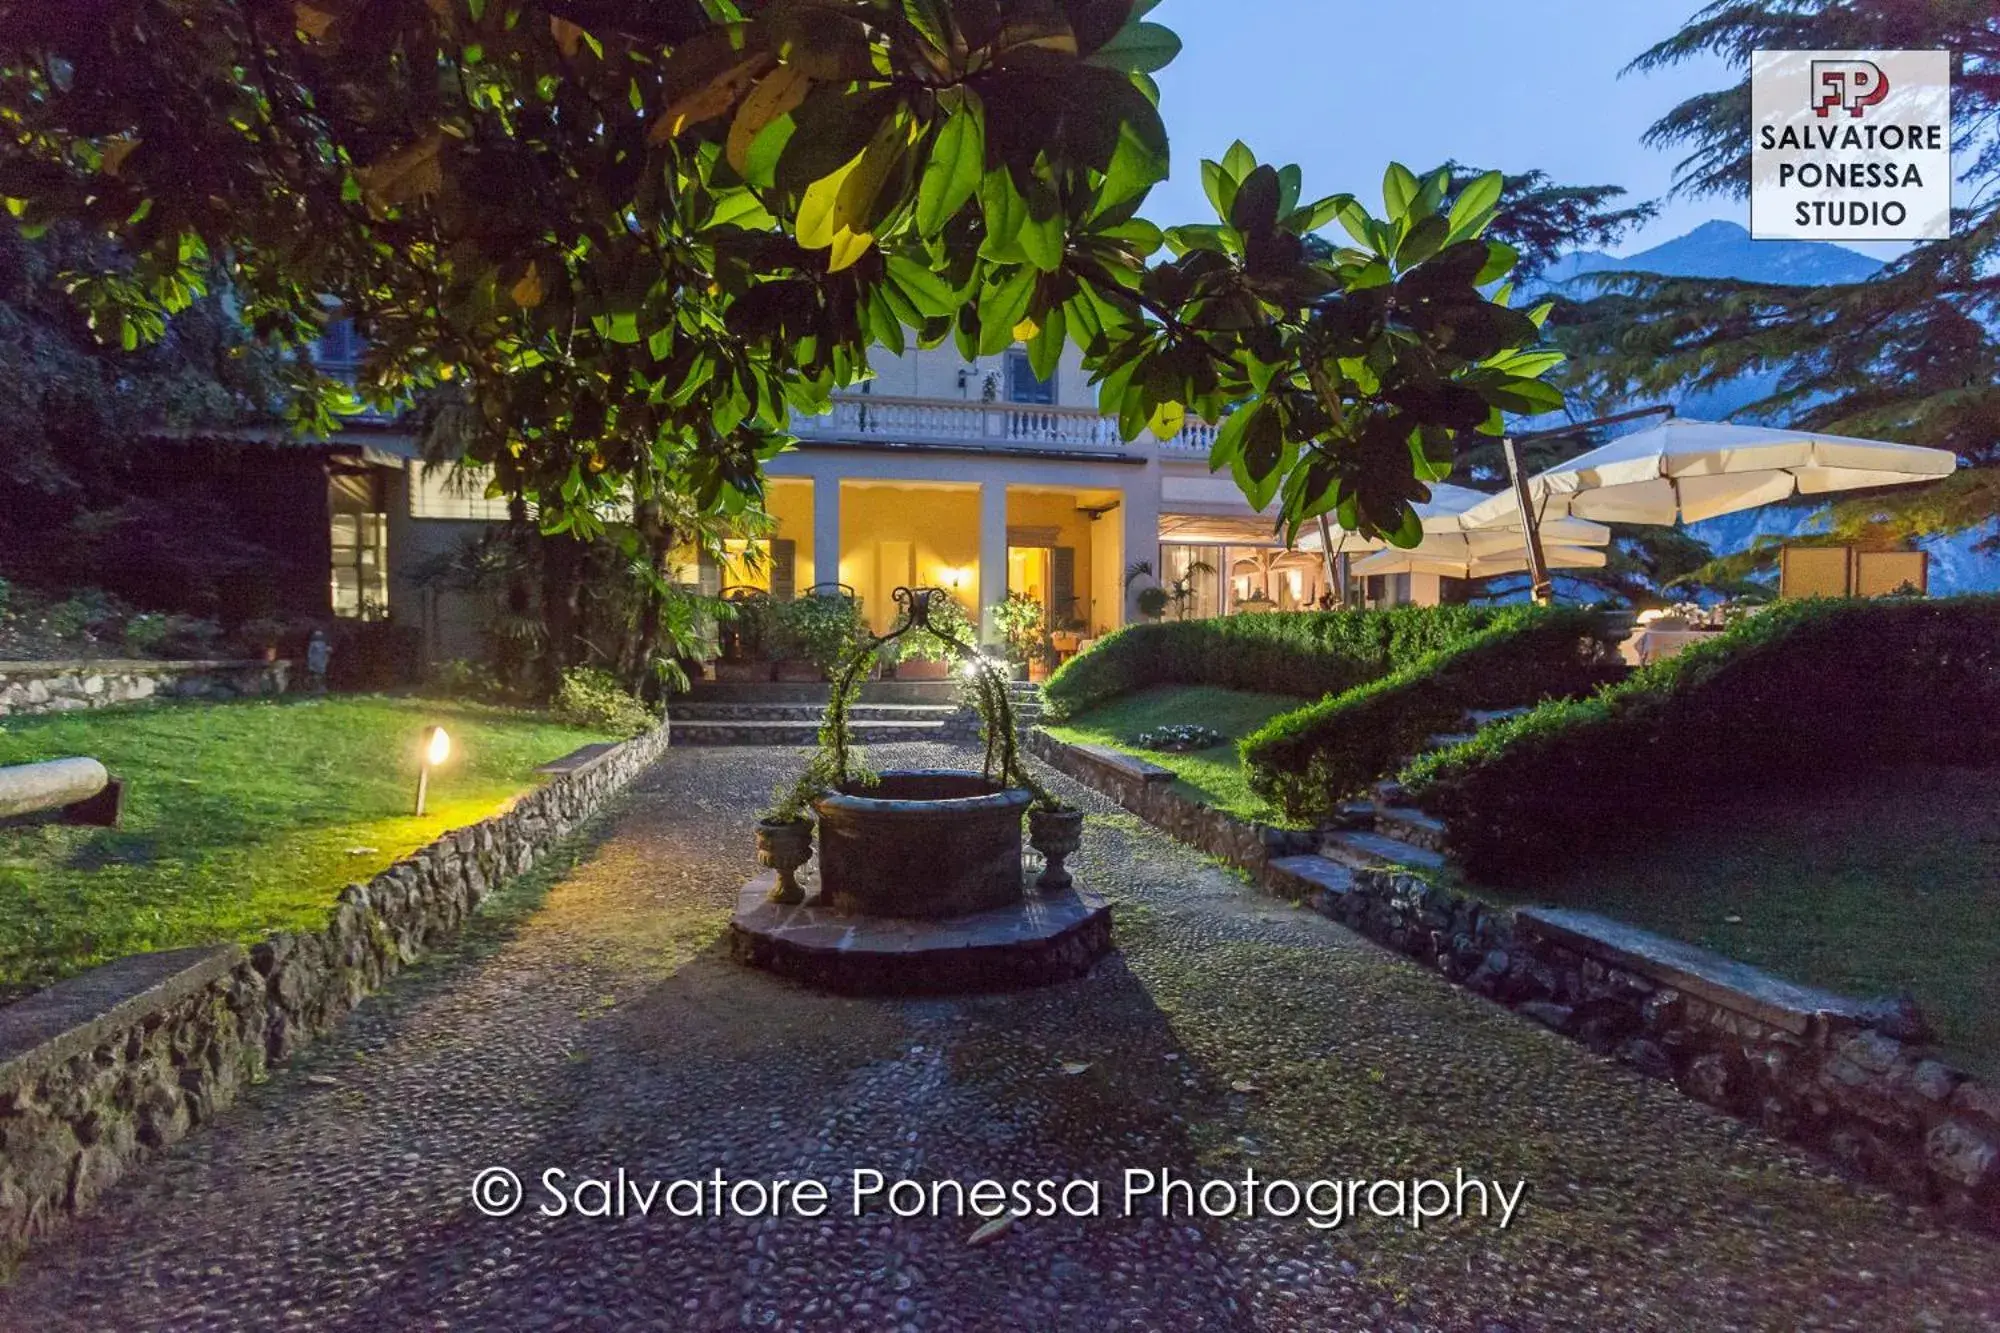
<point x="1850" y="145"/>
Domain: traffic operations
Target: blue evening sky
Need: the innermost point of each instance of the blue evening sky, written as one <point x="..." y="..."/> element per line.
<point x="1342" y="87"/>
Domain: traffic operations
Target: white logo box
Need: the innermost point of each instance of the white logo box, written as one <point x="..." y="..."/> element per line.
<point x="1850" y="145"/>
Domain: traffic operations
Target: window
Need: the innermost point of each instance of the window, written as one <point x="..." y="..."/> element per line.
<point x="1022" y="386"/>
<point x="361" y="566"/>
<point x="338" y="350"/>
<point x="442" y="490"/>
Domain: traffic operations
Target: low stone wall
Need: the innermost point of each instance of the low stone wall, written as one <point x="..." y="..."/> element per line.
<point x="99" y="1071"/>
<point x="1147" y="791"/>
<point x="56" y="687"/>
<point x="1850" y="1078"/>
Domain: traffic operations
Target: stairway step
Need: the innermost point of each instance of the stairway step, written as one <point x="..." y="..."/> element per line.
<point x="1310" y="879"/>
<point x="1367" y="851"/>
<point x="1409" y="824"/>
<point x="742" y="732"/>
<point x="1446" y="740"/>
<point x="1487" y="717"/>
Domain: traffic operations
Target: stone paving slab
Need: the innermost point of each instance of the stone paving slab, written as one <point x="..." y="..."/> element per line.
<point x="599" y="1024"/>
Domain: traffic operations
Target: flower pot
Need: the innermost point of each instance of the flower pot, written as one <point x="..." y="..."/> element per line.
<point x="920" y="669"/>
<point x="1038" y="670"/>
<point x="784" y="847"/>
<point x="1056" y="834"/>
<point x="740" y="671"/>
<point x="799" y="671"/>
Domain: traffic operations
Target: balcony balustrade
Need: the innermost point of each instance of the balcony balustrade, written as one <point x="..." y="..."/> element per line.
<point x="863" y="418"/>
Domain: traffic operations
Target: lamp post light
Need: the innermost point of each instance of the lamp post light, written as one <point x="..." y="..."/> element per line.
<point x="437" y="749"/>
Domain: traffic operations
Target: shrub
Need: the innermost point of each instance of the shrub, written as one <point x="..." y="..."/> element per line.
<point x="1307" y="653"/>
<point x="150" y="634"/>
<point x="589" y="697"/>
<point x="947" y="615"/>
<point x="1179" y="738"/>
<point x="1306" y="762"/>
<point x="1022" y="625"/>
<point x="820" y="630"/>
<point x="463" y="679"/>
<point x="1805" y="692"/>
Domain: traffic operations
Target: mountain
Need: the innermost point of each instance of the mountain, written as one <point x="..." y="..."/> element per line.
<point x="1725" y="250"/>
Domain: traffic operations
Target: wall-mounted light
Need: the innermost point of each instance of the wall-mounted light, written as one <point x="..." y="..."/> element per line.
<point x="437" y="749"/>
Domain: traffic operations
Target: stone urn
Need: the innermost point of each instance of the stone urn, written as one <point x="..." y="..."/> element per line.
<point x="1056" y="834"/>
<point x="784" y="846"/>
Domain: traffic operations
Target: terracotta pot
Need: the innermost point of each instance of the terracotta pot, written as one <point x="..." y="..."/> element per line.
<point x="919" y="669"/>
<point x="1056" y="834"/>
<point x="784" y="847"/>
<point x="1038" y="670"/>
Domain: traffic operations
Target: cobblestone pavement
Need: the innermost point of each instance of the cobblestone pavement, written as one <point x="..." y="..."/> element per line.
<point x="595" y="1024"/>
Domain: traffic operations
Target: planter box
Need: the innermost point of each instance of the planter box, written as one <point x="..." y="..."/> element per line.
<point x="917" y="669"/>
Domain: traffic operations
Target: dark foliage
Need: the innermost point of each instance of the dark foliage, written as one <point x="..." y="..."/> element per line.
<point x="1305" y="653"/>
<point x="1308" y="761"/>
<point x="1805" y="691"/>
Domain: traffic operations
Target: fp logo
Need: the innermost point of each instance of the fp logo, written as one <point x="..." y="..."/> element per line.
<point x="1849" y="84"/>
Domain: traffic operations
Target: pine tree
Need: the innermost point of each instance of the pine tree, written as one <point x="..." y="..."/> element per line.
<point x="1912" y="354"/>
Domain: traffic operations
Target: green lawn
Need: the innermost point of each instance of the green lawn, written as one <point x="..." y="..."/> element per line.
<point x="240" y="818"/>
<point x="1888" y="884"/>
<point x="1213" y="776"/>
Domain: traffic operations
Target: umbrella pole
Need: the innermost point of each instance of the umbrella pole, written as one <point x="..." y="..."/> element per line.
<point x="1538" y="570"/>
<point x="1333" y="562"/>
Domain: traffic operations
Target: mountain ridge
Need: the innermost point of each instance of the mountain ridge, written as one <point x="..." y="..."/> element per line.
<point x="1720" y="249"/>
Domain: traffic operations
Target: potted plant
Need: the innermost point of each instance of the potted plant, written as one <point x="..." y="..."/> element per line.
<point x="262" y="636"/>
<point x="926" y="656"/>
<point x="745" y="632"/>
<point x="1056" y="831"/>
<point x="1023" y="627"/>
<point x="815" y="634"/>
<point x="784" y="831"/>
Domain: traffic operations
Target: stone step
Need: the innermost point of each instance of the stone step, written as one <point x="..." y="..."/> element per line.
<point x="1409" y="824"/>
<point x="808" y="712"/>
<point x="799" y="733"/>
<point x="1446" y="740"/>
<point x="1311" y="879"/>
<point x="1389" y="792"/>
<point x="1366" y="851"/>
<point x="1487" y="717"/>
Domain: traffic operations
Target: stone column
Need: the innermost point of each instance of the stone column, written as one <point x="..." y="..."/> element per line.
<point x="992" y="555"/>
<point x="826" y="530"/>
<point x="1141" y="512"/>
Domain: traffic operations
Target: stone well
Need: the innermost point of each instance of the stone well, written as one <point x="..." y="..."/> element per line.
<point x="922" y="890"/>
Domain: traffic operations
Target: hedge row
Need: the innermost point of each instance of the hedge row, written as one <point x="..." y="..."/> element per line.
<point x="1807" y="691"/>
<point x="1306" y="653"/>
<point x="1307" y="762"/>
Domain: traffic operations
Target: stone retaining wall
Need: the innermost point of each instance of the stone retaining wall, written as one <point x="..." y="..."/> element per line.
<point x="99" y="1071"/>
<point x="1852" y="1079"/>
<point x="1147" y="791"/>
<point x="55" y="687"/>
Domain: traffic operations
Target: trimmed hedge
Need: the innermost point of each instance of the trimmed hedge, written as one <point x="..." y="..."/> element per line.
<point x="1805" y="692"/>
<point x="1306" y="762"/>
<point x="1305" y="653"/>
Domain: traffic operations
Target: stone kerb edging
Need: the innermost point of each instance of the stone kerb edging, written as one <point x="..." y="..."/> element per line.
<point x="1841" y="1076"/>
<point x="69" y="685"/>
<point x="101" y="1070"/>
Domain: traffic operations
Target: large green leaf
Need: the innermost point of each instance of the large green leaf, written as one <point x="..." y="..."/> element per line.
<point x="957" y="164"/>
<point x="1139" y="48"/>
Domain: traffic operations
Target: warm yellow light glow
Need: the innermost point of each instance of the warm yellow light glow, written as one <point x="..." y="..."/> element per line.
<point x="1648" y="617"/>
<point x="438" y="748"/>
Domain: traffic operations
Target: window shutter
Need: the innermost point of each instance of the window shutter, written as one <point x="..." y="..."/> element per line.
<point x="1062" y="583"/>
<point x="784" y="568"/>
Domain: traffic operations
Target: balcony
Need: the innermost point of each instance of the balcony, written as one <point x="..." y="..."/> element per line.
<point x="866" y="418"/>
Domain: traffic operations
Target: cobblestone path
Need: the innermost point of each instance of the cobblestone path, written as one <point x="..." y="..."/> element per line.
<point x="593" y="1023"/>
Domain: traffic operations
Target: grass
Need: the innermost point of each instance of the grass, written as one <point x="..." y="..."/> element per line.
<point x="1213" y="776"/>
<point x="1865" y="889"/>
<point x="241" y="818"/>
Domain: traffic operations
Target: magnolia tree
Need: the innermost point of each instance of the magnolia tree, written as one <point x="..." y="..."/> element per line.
<point x="613" y="245"/>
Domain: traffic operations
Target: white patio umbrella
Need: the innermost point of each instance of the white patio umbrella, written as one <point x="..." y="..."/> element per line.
<point x="1691" y="470"/>
<point x="1469" y="565"/>
<point x="1444" y="518"/>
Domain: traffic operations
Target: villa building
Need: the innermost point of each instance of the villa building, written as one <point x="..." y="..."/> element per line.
<point x="977" y="477"/>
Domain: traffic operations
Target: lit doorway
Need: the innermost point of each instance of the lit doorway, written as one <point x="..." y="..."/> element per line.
<point x="1028" y="573"/>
